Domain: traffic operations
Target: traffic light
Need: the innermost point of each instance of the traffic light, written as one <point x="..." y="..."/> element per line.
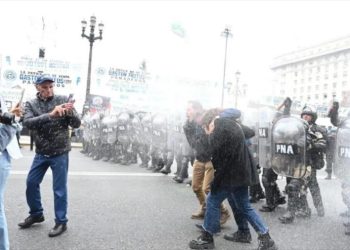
<point x="41" y="52"/>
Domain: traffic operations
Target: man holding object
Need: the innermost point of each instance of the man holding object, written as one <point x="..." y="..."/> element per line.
<point x="49" y="117"/>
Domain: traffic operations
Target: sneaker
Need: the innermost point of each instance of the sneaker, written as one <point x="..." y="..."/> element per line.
<point x="266" y="243"/>
<point x="239" y="236"/>
<point x="204" y="241"/>
<point x="58" y="229"/>
<point x="30" y="220"/>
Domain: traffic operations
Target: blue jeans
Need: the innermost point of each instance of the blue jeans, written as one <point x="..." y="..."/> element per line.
<point x="5" y="165"/>
<point x="59" y="167"/>
<point x="238" y="198"/>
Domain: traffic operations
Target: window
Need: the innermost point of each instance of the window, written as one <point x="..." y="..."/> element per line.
<point x="335" y="75"/>
<point x="325" y="86"/>
<point x="317" y="87"/>
<point x="294" y="90"/>
<point x="334" y="85"/>
<point x="344" y="83"/>
<point x="325" y="76"/>
<point x="324" y="96"/>
<point x="308" y="88"/>
<point x="316" y="97"/>
<point x="345" y="73"/>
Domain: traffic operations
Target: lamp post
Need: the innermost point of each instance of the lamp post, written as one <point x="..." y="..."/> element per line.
<point x="92" y="38"/>
<point x="238" y="75"/>
<point x="226" y="33"/>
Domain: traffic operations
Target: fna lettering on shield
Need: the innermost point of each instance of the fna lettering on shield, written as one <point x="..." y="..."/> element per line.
<point x="286" y="149"/>
<point x="344" y="152"/>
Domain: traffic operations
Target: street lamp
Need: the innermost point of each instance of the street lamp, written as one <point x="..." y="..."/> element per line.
<point x="238" y="75"/>
<point x="91" y="37"/>
<point x="226" y="33"/>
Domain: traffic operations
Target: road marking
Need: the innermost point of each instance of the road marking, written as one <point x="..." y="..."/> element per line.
<point x="85" y="173"/>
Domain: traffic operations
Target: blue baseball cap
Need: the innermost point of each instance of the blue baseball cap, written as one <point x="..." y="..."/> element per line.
<point x="231" y="113"/>
<point x="44" y="78"/>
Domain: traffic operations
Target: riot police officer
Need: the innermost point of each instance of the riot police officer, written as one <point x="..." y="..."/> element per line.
<point x="297" y="187"/>
<point x="342" y="159"/>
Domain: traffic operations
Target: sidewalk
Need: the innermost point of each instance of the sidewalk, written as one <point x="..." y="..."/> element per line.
<point x="25" y="140"/>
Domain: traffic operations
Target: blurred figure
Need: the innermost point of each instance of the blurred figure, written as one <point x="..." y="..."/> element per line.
<point x="331" y="134"/>
<point x="203" y="171"/>
<point x="8" y="149"/>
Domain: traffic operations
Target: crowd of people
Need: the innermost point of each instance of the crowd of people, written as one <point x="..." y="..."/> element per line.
<point x="226" y="155"/>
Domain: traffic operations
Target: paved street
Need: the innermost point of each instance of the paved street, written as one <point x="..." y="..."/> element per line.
<point x="126" y="207"/>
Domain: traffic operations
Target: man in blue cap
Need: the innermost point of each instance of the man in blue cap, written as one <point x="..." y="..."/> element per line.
<point x="49" y="117"/>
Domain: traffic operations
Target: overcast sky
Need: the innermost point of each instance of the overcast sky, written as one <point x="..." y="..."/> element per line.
<point x="141" y="30"/>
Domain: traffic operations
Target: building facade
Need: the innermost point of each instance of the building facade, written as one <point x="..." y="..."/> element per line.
<point x="316" y="75"/>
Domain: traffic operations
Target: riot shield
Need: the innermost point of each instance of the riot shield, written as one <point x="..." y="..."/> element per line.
<point x="159" y="131"/>
<point x="146" y="135"/>
<point x="104" y="130"/>
<point x="342" y="151"/>
<point x="136" y="130"/>
<point x="265" y="119"/>
<point x="112" y="129"/>
<point x="123" y="135"/>
<point x="289" y="148"/>
<point x="96" y="126"/>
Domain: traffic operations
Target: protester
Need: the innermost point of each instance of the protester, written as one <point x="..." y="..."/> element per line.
<point x="49" y="116"/>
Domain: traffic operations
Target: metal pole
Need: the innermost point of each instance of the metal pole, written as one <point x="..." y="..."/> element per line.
<point x="223" y="80"/>
<point x="88" y="83"/>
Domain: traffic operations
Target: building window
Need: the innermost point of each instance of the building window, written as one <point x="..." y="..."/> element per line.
<point x="295" y="74"/>
<point x="317" y="87"/>
<point x="295" y="82"/>
<point x="345" y="73"/>
<point x="308" y="88"/>
<point x="302" y="89"/>
<point x="325" y="76"/>
<point x="334" y="85"/>
<point x="344" y="83"/>
<point x="294" y="90"/>
<point x="282" y="92"/>
<point x="325" y="86"/>
<point x="335" y="75"/>
<point x="324" y="96"/>
<point x="316" y="97"/>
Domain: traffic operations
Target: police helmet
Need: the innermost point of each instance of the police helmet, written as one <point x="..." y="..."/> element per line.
<point x="307" y="110"/>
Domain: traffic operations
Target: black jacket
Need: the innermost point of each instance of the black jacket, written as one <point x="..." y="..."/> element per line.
<point x="230" y="156"/>
<point x="51" y="135"/>
<point x="198" y="140"/>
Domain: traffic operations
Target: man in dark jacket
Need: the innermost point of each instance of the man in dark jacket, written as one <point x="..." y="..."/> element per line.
<point x="234" y="173"/>
<point x="203" y="171"/>
<point x="49" y="117"/>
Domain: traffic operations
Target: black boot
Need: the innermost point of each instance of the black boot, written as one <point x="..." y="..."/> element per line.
<point x="287" y="218"/>
<point x="204" y="241"/>
<point x="266" y="243"/>
<point x="267" y="208"/>
<point x="239" y="236"/>
<point x="166" y="169"/>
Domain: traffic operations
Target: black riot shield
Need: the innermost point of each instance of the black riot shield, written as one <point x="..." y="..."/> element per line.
<point x="123" y="135"/>
<point x="136" y="130"/>
<point x="265" y="119"/>
<point x="289" y="148"/>
<point x="342" y="151"/>
<point x="112" y="129"/>
<point x="96" y="127"/>
<point x="159" y="131"/>
<point x="146" y="135"/>
<point x="104" y="130"/>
